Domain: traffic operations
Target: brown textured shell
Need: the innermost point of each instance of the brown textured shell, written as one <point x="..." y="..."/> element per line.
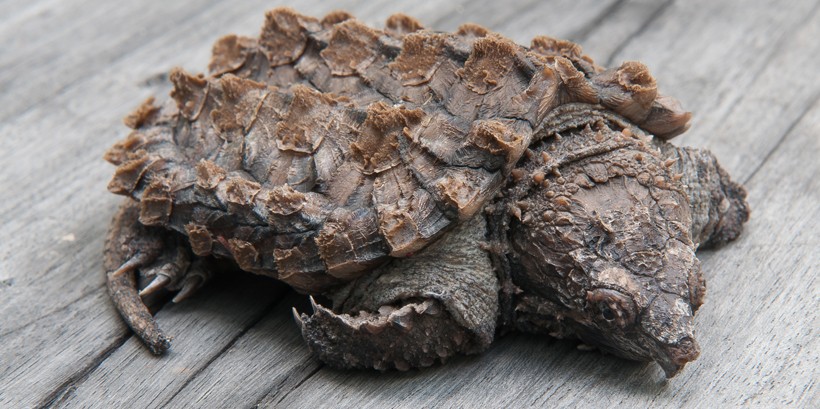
<point x="325" y="147"/>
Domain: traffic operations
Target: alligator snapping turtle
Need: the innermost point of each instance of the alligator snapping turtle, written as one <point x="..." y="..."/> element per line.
<point x="436" y="188"/>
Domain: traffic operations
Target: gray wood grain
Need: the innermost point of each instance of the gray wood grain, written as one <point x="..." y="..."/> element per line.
<point x="203" y="329"/>
<point x="270" y="360"/>
<point x="69" y="70"/>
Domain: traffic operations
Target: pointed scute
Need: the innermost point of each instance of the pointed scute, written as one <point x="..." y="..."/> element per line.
<point x="421" y="53"/>
<point x="190" y="92"/>
<point x="335" y="17"/>
<point x="377" y="147"/>
<point x="411" y="223"/>
<point x="553" y="47"/>
<point x="200" y="239"/>
<point x="629" y="90"/>
<point x="353" y="46"/>
<point x="498" y="139"/>
<point x="285" y="34"/>
<point x="297" y="130"/>
<point x="125" y="149"/>
<point x="350" y="243"/>
<point x="492" y="58"/>
<point x="156" y="203"/>
<point x="244" y="253"/>
<point x="209" y="174"/>
<point x="128" y="175"/>
<point x="144" y="113"/>
<point x="402" y="24"/>
<point x="471" y="30"/>
<point x="230" y="53"/>
<point x="575" y="84"/>
<point x="667" y="119"/>
<point x="236" y="103"/>
<point x="301" y="267"/>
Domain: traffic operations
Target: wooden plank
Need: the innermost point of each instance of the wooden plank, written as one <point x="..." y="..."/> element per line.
<point x="629" y="19"/>
<point x="37" y="359"/>
<point x="711" y="56"/>
<point x="764" y="289"/>
<point x="61" y="340"/>
<point x="12" y="11"/>
<point x="523" y="20"/>
<point x="58" y="200"/>
<point x="203" y="328"/>
<point x="56" y="209"/>
<point x="96" y="32"/>
<point x="270" y="359"/>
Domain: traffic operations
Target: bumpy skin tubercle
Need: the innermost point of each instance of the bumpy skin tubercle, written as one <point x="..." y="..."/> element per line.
<point x="438" y="188"/>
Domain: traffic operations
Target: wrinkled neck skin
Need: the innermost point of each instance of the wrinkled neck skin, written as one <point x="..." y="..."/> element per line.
<point x="596" y="228"/>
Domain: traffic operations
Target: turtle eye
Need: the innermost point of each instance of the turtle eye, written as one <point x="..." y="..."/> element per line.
<point x="607" y="312"/>
<point x="612" y="307"/>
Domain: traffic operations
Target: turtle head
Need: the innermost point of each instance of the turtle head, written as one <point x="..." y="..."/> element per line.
<point x="613" y="266"/>
<point x="660" y="330"/>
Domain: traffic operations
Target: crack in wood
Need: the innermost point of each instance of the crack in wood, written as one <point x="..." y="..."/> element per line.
<point x="610" y="60"/>
<point x="299" y="384"/>
<point x="65" y="389"/>
<point x="264" y="313"/>
<point x="776" y="49"/>
<point x="51" y="313"/>
<point x="783" y="137"/>
<point x="583" y="33"/>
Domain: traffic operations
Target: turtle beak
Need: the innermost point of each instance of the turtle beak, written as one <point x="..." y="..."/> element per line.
<point x="668" y="327"/>
<point x="672" y="358"/>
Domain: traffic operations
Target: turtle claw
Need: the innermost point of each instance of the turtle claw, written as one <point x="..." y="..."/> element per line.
<point x="189" y="287"/>
<point x="297" y="317"/>
<point x="160" y="281"/>
<point x="193" y="279"/>
<point x="137" y="260"/>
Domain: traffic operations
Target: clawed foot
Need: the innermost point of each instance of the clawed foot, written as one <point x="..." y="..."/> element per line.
<point x="175" y="272"/>
<point x="411" y="335"/>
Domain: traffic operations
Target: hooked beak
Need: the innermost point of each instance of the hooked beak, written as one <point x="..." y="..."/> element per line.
<point x="672" y="358"/>
<point x="668" y="326"/>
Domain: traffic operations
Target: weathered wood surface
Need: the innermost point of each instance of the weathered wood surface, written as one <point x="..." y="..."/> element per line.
<point x="69" y="70"/>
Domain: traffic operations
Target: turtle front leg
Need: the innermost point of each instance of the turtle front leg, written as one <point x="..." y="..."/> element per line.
<point x="413" y="312"/>
<point x="403" y="336"/>
<point x="132" y="251"/>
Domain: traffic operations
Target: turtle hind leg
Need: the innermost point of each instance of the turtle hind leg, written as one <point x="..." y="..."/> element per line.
<point x="410" y="335"/>
<point x="134" y="251"/>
